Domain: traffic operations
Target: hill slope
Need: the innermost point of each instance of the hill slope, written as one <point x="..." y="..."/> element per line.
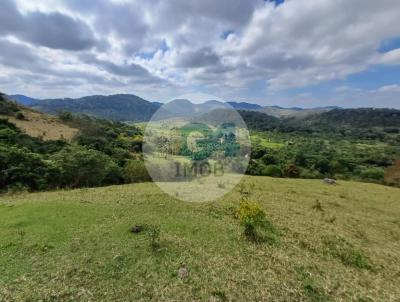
<point x="280" y="112"/>
<point x="35" y="123"/>
<point x="337" y="243"/>
<point x="357" y="118"/>
<point x="121" y="107"/>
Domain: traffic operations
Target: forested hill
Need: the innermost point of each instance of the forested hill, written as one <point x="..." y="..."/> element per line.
<point x="118" y="107"/>
<point x="350" y="120"/>
<point x="259" y="121"/>
<point x="357" y="118"/>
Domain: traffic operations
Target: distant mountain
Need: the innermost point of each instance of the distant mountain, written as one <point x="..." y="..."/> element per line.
<point x="212" y="105"/>
<point x="185" y="108"/>
<point x="120" y="107"/>
<point x="129" y="107"/>
<point x="245" y="106"/>
<point x="281" y="112"/>
<point x="22" y="99"/>
<point x="180" y="107"/>
<point x="278" y="111"/>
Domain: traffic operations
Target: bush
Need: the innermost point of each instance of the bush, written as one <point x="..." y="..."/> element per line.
<point x="135" y="171"/>
<point x="310" y="174"/>
<point x="65" y="116"/>
<point x="81" y="167"/>
<point x="271" y="170"/>
<point x="19" y="115"/>
<point x="269" y="159"/>
<point x="323" y="166"/>
<point x="257" y="227"/>
<point x="153" y="232"/>
<point x="374" y="174"/>
<point x="292" y="170"/>
<point x="22" y="168"/>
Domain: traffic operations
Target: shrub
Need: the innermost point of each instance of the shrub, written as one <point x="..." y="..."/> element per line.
<point x="272" y="170"/>
<point x="292" y="170"/>
<point x="323" y="166"/>
<point x="153" y="232"/>
<point x="135" y="171"/>
<point x="65" y="116"/>
<point x="22" y="168"/>
<point x="310" y="174"/>
<point x="269" y="159"/>
<point x="254" y="167"/>
<point x="257" y="227"/>
<point x="81" y="167"/>
<point x="374" y="174"/>
<point x="19" y="115"/>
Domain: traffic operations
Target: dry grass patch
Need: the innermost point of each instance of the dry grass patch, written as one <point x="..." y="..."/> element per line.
<point x="38" y="124"/>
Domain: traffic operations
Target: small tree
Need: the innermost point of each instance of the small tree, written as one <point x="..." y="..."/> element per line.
<point x="135" y="171"/>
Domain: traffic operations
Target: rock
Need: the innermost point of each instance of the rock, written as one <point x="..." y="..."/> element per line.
<point x="330" y="181"/>
<point x="183" y="272"/>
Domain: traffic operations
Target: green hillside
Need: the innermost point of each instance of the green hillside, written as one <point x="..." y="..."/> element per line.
<point x="118" y="107"/>
<point x="335" y="243"/>
<point x="357" y="118"/>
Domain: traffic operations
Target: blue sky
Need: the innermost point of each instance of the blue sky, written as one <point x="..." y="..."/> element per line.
<point x="290" y="53"/>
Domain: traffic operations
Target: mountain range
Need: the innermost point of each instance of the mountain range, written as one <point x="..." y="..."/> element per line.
<point x="118" y="107"/>
<point x="129" y="107"/>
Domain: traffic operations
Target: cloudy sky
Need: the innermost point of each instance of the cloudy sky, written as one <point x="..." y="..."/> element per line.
<point x="290" y="53"/>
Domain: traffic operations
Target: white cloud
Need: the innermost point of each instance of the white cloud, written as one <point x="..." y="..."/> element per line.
<point x="163" y="48"/>
<point x="391" y="57"/>
<point x="389" y="88"/>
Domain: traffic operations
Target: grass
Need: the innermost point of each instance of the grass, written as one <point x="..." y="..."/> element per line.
<point x="339" y="247"/>
<point x="258" y="139"/>
<point x="78" y="245"/>
<point x="313" y="291"/>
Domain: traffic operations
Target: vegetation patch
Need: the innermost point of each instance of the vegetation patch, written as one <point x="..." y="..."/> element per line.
<point x="153" y="233"/>
<point x="340" y="248"/>
<point x="257" y="228"/>
<point x="314" y="292"/>
<point x="220" y="295"/>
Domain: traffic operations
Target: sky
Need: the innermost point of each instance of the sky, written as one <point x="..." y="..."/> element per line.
<point x="290" y="53"/>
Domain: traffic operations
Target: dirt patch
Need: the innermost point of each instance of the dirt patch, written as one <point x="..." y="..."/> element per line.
<point x="38" y="124"/>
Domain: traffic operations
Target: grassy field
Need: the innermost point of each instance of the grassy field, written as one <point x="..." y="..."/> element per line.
<point x="337" y="243"/>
